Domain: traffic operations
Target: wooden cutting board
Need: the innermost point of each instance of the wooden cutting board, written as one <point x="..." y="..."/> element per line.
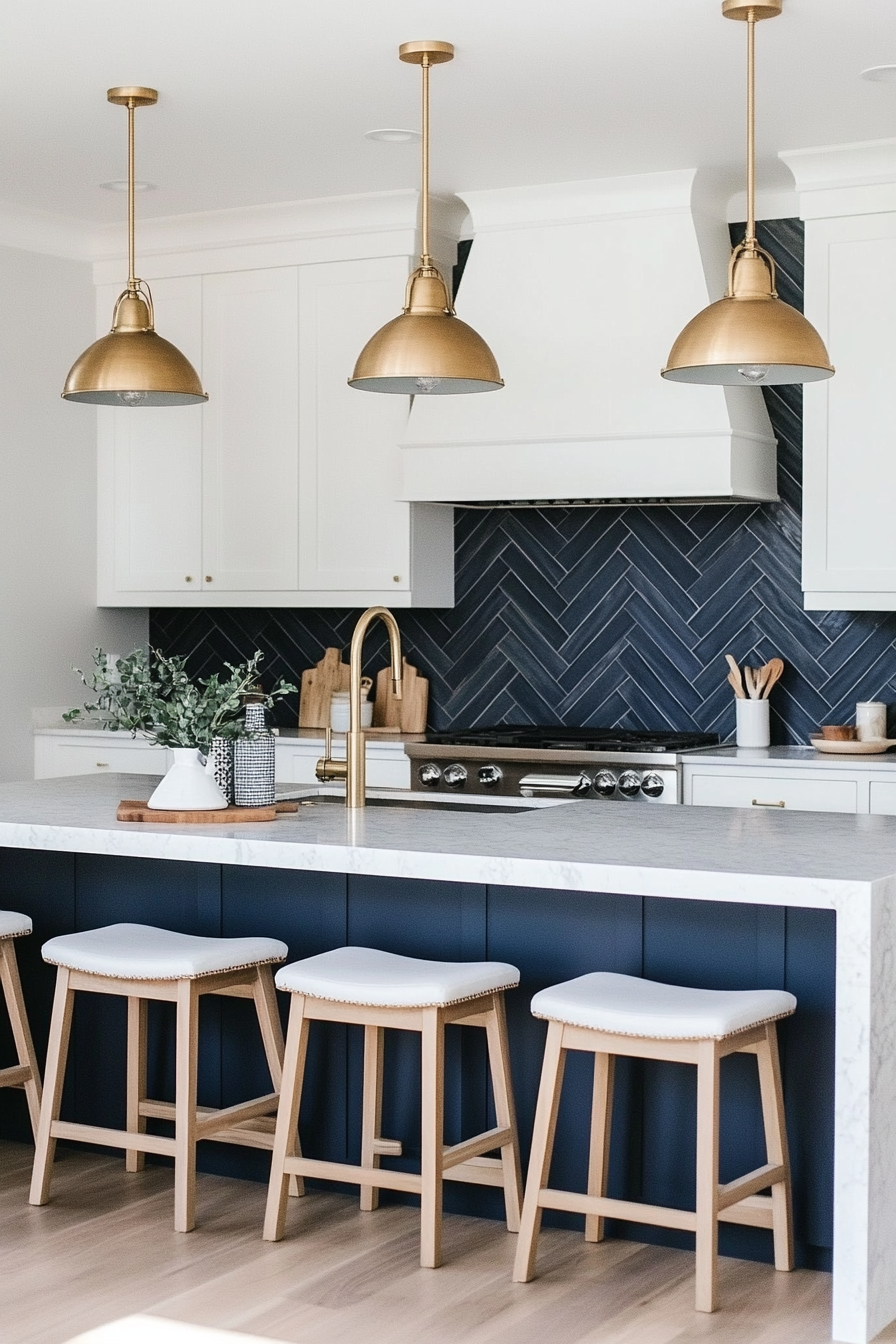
<point x="407" y="715"/>
<point x="128" y="810"/>
<point x="318" y="684"/>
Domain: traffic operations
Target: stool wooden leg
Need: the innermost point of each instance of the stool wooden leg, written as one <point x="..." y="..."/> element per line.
<point x="542" y="1148"/>
<point x="599" y="1148"/>
<point x="265" y="996"/>
<point x="57" y="1052"/>
<point x="371" y="1111"/>
<point x="21" y="1032"/>
<point x="776" y="1143"/>
<point x="707" y="1174"/>
<point x="432" y="1137"/>
<point x="286" y="1133"/>
<point x="136" y="1078"/>
<point x="505" y="1112"/>
<point x="187" y="1047"/>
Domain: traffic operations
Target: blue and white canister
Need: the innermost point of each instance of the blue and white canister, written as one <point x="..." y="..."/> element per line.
<point x="253" y="762"/>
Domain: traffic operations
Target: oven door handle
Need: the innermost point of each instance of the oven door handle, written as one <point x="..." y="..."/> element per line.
<point x="575" y="786"/>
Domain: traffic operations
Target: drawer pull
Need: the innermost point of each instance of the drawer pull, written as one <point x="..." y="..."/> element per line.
<point x="757" y="803"/>
<point x="101" y="764"/>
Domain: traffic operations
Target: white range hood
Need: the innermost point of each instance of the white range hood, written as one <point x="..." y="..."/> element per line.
<point x="580" y="289"/>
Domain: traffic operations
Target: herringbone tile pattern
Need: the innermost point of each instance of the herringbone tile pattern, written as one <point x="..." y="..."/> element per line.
<point x="607" y="616"/>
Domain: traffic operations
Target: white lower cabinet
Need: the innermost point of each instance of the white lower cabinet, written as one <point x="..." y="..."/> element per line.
<point x="807" y="788"/>
<point x="65" y="752"/>
<point x="742" y="789"/>
<point x="100" y="753"/>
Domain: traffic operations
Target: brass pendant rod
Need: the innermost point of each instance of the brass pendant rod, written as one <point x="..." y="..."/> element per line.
<point x="424" y="219"/>
<point x="751" y="128"/>
<point x="132" y="279"/>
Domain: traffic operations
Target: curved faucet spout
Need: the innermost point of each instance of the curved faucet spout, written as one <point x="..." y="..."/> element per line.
<point x="355" y="783"/>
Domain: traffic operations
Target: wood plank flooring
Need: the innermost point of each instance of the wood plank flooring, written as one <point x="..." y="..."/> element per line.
<point x="104" y="1248"/>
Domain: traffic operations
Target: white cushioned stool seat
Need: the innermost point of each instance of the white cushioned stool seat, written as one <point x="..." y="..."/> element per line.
<point x="141" y="952"/>
<point x="13" y="925"/>
<point x="629" y="1006"/>
<point x="364" y="975"/>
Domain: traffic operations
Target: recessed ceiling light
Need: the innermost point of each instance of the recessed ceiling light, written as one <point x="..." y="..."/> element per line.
<point x="121" y="184"/>
<point x="880" y="74"/>
<point x="393" y="135"/>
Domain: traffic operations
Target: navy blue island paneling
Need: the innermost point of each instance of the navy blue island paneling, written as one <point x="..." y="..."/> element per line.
<point x="608" y="616"/>
<point x="549" y="935"/>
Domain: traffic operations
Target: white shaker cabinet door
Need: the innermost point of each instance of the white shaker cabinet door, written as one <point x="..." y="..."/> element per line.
<point x="150" y="468"/>
<point x="251" y="436"/>
<point x="355" y="534"/>
<point x="849" y="463"/>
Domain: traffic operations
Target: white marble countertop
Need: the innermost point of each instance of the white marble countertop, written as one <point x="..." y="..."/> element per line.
<point x="789" y="756"/>
<point x="780" y="858"/>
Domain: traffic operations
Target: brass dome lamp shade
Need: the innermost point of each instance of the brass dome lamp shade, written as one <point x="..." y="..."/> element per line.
<point x="133" y="366"/>
<point x="749" y="337"/>
<point x="427" y="349"/>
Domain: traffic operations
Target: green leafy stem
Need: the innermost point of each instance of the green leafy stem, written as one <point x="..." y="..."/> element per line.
<point x="149" y="693"/>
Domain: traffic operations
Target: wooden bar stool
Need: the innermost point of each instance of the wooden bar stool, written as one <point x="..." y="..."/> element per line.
<point x="379" y="989"/>
<point x="609" y="1015"/>
<point x="142" y="963"/>
<point x="25" y="1074"/>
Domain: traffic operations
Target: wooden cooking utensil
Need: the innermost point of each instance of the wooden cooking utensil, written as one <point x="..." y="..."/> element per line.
<point x="775" y="667"/>
<point x="735" y="673"/>
<point x="750" y="682"/>
<point x="736" y="686"/>
<point x="761" y="677"/>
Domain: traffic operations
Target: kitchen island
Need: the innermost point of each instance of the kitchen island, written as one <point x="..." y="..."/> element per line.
<point x="715" y="897"/>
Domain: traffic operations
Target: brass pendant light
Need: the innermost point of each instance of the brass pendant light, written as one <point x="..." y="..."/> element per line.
<point x="427" y="350"/>
<point x="750" y="337"/>
<point x="133" y="366"/>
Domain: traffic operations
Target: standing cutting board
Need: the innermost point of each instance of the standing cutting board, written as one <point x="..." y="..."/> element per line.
<point x="407" y="715"/>
<point x="318" y="684"/>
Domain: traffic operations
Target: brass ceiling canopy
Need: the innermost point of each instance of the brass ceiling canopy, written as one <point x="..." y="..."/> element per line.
<point x="133" y="366"/>
<point x="427" y="349"/>
<point x="749" y="337"/>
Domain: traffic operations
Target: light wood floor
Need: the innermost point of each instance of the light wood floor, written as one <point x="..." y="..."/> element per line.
<point x="104" y="1247"/>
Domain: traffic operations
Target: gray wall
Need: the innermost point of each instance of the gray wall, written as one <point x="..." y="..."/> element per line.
<point x="48" y="617"/>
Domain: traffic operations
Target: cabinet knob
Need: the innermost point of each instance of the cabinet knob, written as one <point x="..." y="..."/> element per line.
<point x="396" y="578"/>
<point x="188" y="578"/>
<point x="208" y="578"/>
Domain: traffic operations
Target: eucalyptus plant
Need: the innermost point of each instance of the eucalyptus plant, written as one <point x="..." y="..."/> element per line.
<point x="152" y="694"/>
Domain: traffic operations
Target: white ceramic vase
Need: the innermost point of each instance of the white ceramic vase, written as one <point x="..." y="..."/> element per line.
<point x="189" y="786"/>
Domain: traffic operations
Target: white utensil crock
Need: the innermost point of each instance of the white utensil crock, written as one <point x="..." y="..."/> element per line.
<point x="871" y="719"/>
<point x="752" y="723"/>
<point x="189" y="786"/>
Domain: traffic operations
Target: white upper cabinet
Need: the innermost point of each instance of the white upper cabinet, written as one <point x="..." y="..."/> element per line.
<point x="848" y="200"/>
<point x="250" y="460"/>
<point x="283" y="490"/>
<point x="150" y="469"/>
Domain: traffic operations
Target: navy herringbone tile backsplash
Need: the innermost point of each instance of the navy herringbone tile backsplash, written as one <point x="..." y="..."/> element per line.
<point x="606" y="616"/>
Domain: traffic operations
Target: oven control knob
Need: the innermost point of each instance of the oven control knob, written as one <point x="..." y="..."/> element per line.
<point x="652" y="784"/>
<point x="490" y="776"/>
<point x="629" y="784"/>
<point x="605" y="783"/>
<point x="455" y="776"/>
<point x="581" y="786"/>
<point x="429" y="775"/>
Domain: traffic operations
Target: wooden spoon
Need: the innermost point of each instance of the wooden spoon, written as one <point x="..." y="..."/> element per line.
<point x="735" y="673"/>
<point x="750" y="683"/>
<point x="775" y="667"/>
<point x="761" y="677"/>
<point x="735" y="683"/>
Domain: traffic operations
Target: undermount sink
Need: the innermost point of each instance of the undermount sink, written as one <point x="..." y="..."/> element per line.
<point x="491" y="807"/>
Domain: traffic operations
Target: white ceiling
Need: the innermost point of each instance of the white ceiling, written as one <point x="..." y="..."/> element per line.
<point x="268" y="100"/>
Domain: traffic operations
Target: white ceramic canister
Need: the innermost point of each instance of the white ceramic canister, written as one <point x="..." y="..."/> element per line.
<point x="752" y="723"/>
<point x="871" y="719"/>
<point x="340" y="712"/>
